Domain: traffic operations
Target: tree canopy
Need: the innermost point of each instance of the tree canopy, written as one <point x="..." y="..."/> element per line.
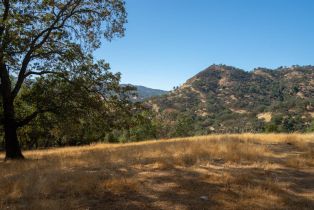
<point x="56" y="38"/>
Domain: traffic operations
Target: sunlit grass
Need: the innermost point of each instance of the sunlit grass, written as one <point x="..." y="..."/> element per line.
<point x="238" y="171"/>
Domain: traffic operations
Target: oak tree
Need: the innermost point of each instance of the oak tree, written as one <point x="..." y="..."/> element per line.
<point x="39" y="37"/>
<point x="81" y="108"/>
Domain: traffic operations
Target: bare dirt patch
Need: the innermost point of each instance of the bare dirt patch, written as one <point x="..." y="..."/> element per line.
<point x="266" y="116"/>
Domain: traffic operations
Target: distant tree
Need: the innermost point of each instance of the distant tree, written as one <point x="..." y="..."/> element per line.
<point x="183" y="126"/>
<point x="144" y="126"/>
<point x="271" y="128"/>
<point x="288" y="124"/>
<point x="39" y="37"/>
<point x="311" y="127"/>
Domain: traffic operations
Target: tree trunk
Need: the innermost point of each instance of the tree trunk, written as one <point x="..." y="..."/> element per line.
<point x="12" y="146"/>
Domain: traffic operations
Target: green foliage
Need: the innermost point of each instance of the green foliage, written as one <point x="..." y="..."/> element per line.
<point x="86" y="107"/>
<point x="57" y="38"/>
<point x="271" y="128"/>
<point x="183" y="126"/>
<point x="311" y="127"/>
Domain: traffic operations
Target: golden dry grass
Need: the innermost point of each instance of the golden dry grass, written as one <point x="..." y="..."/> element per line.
<point x="247" y="171"/>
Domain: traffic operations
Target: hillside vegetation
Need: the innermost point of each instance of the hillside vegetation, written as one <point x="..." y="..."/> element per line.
<point x="226" y="99"/>
<point x="145" y="93"/>
<point x="247" y="171"/>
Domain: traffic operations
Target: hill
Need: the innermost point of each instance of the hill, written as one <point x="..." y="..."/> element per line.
<point x="208" y="172"/>
<point x="143" y="93"/>
<point x="227" y="99"/>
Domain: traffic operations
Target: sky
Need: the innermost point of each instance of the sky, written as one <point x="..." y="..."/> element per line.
<point x="168" y="41"/>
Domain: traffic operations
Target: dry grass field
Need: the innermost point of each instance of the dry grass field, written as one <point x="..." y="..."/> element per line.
<point x="247" y="171"/>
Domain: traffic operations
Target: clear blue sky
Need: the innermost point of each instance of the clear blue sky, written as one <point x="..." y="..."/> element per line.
<point x="168" y="41"/>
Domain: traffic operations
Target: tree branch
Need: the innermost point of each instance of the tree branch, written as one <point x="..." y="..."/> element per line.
<point x="40" y="73"/>
<point x="30" y="117"/>
<point x="45" y="34"/>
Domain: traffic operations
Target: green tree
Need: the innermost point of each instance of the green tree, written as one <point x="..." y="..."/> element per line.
<point x="41" y="37"/>
<point x="183" y="126"/>
<point x="144" y="125"/>
<point x="81" y="110"/>
<point x="271" y="128"/>
<point x="311" y="127"/>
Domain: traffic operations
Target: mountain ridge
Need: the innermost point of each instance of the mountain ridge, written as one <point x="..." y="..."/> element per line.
<point x="221" y="96"/>
<point x="143" y="92"/>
